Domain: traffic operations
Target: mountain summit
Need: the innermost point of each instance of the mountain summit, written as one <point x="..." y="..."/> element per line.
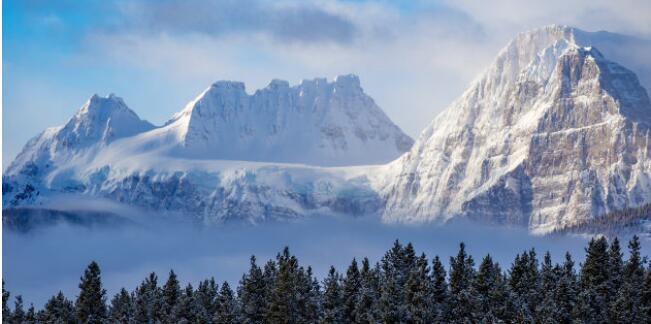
<point x="316" y="122"/>
<point x="553" y="133"/>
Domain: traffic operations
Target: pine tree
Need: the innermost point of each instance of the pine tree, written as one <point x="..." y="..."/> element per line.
<point x="628" y="306"/>
<point x="565" y="291"/>
<point x="91" y="303"/>
<point x="351" y="286"/>
<point x="440" y="293"/>
<point x="205" y="300"/>
<point x="491" y="293"/>
<point x="418" y="293"/>
<point x="58" y="309"/>
<point x="366" y="304"/>
<point x="251" y="294"/>
<point x="6" y="312"/>
<point x="549" y="276"/>
<point x="592" y="303"/>
<point x="226" y="310"/>
<point x="463" y="304"/>
<point x="18" y="315"/>
<point x="308" y="297"/>
<point x="170" y="296"/>
<point x="645" y="295"/>
<point x="183" y="312"/>
<point x="121" y="309"/>
<point x="147" y="301"/>
<point x="283" y="302"/>
<point x="332" y="298"/>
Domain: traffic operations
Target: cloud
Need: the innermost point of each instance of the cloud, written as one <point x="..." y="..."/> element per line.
<point x="284" y="21"/>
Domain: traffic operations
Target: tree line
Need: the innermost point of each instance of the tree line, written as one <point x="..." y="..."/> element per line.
<point x="627" y="220"/>
<point x="403" y="287"/>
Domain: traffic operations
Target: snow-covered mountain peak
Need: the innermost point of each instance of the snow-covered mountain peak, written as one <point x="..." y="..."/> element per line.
<point x="553" y="132"/>
<point x="315" y="122"/>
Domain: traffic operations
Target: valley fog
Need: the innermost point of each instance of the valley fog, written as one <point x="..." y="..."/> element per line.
<point x="41" y="262"/>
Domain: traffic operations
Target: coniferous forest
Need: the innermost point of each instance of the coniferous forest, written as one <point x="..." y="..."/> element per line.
<point x="403" y="287"/>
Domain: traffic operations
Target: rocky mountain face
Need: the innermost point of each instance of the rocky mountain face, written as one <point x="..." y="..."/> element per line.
<point x="552" y="134"/>
<point x="316" y="122"/>
<point x="220" y="158"/>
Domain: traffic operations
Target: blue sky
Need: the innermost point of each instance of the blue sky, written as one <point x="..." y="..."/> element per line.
<point x="413" y="57"/>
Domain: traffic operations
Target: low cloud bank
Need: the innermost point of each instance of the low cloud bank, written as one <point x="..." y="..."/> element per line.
<point x="40" y="263"/>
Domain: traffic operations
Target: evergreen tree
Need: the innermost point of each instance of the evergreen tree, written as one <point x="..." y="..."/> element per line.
<point x="226" y="310"/>
<point x="147" y="301"/>
<point x="440" y="292"/>
<point x="565" y="291"/>
<point x="463" y="304"/>
<point x="91" y="303"/>
<point x="283" y="299"/>
<point x="170" y="296"/>
<point x="6" y="312"/>
<point x="251" y="294"/>
<point x="592" y="303"/>
<point x="628" y="306"/>
<point x="366" y="304"/>
<point x="18" y="315"/>
<point x="549" y="276"/>
<point x="183" y="312"/>
<point x="121" y="309"/>
<point x="332" y="298"/>
<point x="308" y="297"/>
<point x="205" y="300"/>
<point x="351" y="286"/>
<point x="418" y="293"/>
<point x="491" y="293"/>
<point x="58" y="309"/>
<point x="645" y="295"/>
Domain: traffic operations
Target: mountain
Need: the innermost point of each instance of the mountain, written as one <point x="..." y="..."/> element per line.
<point x="316" y="123"/>
<point x="553" y="133"/>
<point x="227" y="155"/>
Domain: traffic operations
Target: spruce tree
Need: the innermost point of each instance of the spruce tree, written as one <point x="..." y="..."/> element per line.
<point x="463" y="304"/>
<point x="592" y="303"/>
<point x="251" y="295"/>
<point x="283" y="302"/>
<point x="645" y="295"/>
<point x="183" y="312"/>
<point x="366" y="304"/>
<point x="58" y="309"/>
<point x="18" y="315"/>
<point x="147" y="301"/>
<point x="440" y="291"/>
<point x="350" y="291"/>
<point x="170" y="295"/>
<point x="628" y="306"/>
<point x="418" y="293"/>
<point x="308" y="297"/>
<point x="122" y="309"/>
<point x="205" y="300"/>
<point x="549" y="276"/>
<point x="91" y="303"/>
<point x="226" y="310"/>
<point x="6" y="312"/>
<point x="332" y="298"/>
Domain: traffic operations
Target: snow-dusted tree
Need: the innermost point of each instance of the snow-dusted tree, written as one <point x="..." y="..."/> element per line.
<point x="463" y="303"/>
<point x="418" y="293"/>
<point x="226" y="306"/>
<point x="91" y="303"/>
<point x="6" y="312"/>
<point x="366" y="305"/>
<point x="332" y="307"/>
<point x="205" y="300"/>
<point x="440" y="293"/>
<point x="592" y="303"/>
<point x="628" y="306"/>
<point x="350" y="292"/>
<point x="121" y="309"/>
<point x="171" y="292"/>
<point x="147" y="301"/>
<point x="251" y="295"/>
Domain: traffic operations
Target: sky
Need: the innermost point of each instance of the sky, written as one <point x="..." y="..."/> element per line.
<point x="413" y="57"/>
